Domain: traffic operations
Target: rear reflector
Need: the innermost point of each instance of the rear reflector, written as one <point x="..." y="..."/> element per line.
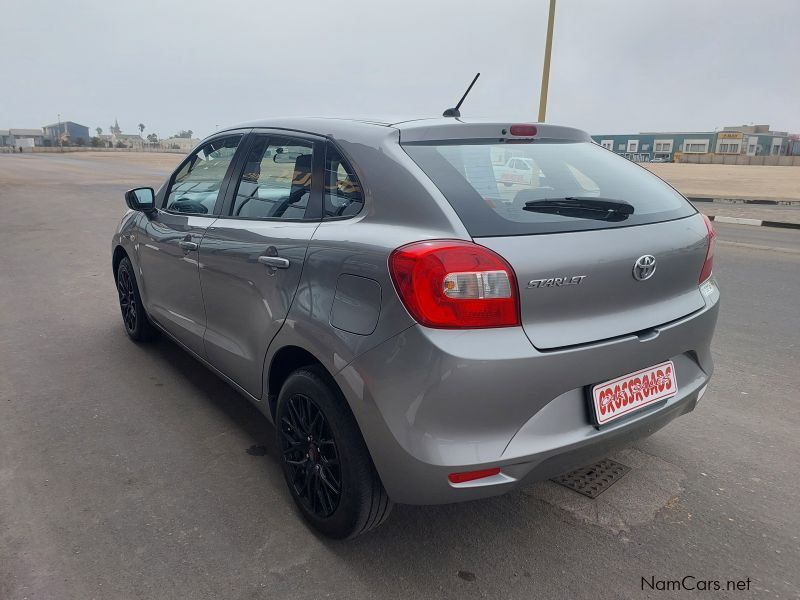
<point x="708" y="264"/>
<point x="472" y="475"/>
<point x="524" y="130"/>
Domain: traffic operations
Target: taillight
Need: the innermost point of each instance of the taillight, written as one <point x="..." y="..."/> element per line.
<point x="453" y="284"/>
<point x="705" y="273"/>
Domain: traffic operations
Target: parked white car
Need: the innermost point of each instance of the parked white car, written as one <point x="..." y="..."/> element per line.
<point x="516" y="170"/>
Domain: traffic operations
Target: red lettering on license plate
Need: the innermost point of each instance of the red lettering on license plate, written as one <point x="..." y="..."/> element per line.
<point x="631" y="392"/>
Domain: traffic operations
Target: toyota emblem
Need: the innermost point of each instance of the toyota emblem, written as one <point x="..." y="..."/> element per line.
<point x="644" y="267"/>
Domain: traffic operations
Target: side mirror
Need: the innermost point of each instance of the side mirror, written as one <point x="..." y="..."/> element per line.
<point x="141" y="199"/>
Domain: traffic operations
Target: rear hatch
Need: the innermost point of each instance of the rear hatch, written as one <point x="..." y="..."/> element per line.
<point x="600" y="247"/>
<point x="579" y="287"/>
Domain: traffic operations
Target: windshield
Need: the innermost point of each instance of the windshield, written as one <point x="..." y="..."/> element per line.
<point x="496" y="188"/>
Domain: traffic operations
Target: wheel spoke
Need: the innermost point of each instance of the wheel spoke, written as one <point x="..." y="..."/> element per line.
<point x="298" y="482"/>
<point x="333" y="498"/>
<point x="321" y="493"/>
<point x="294" y="446"/>
<point x="324" y="478"/>
<point x="315" y="422"/>
<point x="290" y="433"/>
<point x="296" y="420"/>
<point x="330" y="462"/>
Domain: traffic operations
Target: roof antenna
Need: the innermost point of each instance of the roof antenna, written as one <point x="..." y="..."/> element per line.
<point x="454" y="112"/>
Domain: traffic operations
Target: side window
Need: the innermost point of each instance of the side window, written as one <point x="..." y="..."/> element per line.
<point x="196" y="185"/>
<point x="276" y="181"/>
<point x="343" y="196"/>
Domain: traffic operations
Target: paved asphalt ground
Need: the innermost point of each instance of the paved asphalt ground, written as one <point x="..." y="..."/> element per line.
<point x="125" y="471"/>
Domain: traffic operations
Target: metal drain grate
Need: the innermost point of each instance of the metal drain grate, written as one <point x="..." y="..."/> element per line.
<point x="595" y="479"/>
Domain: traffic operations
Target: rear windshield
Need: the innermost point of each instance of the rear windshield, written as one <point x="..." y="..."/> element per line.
<point x="544" y="187"/>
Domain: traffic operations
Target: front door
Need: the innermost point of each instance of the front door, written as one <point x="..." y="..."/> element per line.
<point x="169" y="250"/>
<point x="253" y="255"/>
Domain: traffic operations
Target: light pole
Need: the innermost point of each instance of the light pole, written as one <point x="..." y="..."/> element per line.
<point x="60" y="141"/>
<point x="548" y="47"/>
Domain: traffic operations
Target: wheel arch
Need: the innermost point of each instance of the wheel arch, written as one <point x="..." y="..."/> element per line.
<point x="283" y="363"/>
<point x="119" y="254"/>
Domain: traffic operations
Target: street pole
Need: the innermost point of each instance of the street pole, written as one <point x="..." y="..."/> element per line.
<point x="548" y="47"/>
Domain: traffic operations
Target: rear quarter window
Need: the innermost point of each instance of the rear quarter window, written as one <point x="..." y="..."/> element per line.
<point x="489" y="189"/>
<point x="343" y="195"/>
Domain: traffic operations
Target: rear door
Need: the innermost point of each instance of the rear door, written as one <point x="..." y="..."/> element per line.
<point x="253" y="254"/>
<point x="575" y="234"/>
<point x="168" y="252"/>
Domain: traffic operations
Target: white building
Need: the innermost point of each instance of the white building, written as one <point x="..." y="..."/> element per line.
<point x="21" y="138"/>
<point x="179" y="143"/>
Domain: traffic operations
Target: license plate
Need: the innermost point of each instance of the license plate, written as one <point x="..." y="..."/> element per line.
<point x="624" y="395"/>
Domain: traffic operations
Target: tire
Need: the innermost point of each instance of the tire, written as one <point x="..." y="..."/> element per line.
<point x="134" y="318"/>
<point x="334" y="458"/>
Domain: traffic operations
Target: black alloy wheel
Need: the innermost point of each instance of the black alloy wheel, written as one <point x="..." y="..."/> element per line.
<point x="309" y="452"/>
<point x="127" y="300"/>
<point x="326" y="464"/>
<point x="134" y="317"/>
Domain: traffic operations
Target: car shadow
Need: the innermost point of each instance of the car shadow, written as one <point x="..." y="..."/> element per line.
<point x="238" y="409"/>
<point x="418" y="548"/>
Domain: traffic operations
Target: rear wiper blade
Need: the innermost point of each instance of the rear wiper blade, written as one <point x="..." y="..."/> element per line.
<point x="587" y="202"/>
<point x="586" y="207"/>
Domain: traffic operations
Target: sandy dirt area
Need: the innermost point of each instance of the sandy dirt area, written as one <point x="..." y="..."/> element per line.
<point x="715" y="181"/>
<point x="732" y="181"/>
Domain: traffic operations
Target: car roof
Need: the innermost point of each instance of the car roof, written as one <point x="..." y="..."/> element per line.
<point x="414" y="129"/>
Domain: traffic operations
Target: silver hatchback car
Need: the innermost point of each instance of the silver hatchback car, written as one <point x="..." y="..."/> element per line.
<point x="422" y="323"/>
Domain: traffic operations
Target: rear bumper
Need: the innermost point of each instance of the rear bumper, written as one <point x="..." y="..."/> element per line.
<point x="434" y="402"/>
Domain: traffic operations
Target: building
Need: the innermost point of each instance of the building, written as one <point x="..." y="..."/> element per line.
<point x="67" y="133"/>
<point x="127" y="140"/>
<point x="748" y="140"/>
<point x="21" y="138"/>
<point x="185" y="144"/>
<point x="793" y="145"/>
<point x="117" y="139"/>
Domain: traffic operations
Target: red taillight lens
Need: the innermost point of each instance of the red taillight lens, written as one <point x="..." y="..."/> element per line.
<point x="705" y="273"/>
<point x="453" y="284"/>
<point x="524" y="130"/>
<point x="472" y="475"/>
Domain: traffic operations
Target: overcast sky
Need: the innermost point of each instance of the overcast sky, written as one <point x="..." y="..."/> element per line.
<point x="619" y="66"/>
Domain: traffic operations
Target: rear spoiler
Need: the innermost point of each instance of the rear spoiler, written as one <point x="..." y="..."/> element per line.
<point x="450" y="130"/>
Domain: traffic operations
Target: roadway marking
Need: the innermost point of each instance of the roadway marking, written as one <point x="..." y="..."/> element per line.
<point x="757" y="246"/>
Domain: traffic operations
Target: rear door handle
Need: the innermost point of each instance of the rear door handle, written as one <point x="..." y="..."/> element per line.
<point x="187" y="245"/>
<point x="277" y="262"/>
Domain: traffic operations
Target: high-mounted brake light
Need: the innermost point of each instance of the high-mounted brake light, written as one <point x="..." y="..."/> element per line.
<point x="705" y="273"/>
<point x="472" y="475"/>
<point x="452" y="284"/>
<point x="524" y="130"/>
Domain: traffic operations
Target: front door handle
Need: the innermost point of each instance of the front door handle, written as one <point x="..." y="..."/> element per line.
<point x="277" y="262"/>
<point x="187" y="245"/>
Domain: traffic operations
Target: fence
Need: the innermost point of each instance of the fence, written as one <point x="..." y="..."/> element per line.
<point x="739" y="159"/>
<point x="56" y="149"/>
